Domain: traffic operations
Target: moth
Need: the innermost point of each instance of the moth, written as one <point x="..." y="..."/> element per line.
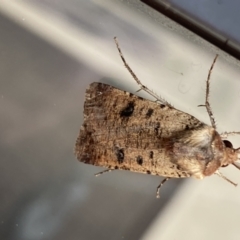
<point x="124" y="131"/>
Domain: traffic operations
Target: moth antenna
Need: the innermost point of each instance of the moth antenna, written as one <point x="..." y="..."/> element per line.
<point x="207" y="104"/>
<point x="160" y="185"/>
<point x="226" y="134"/>
<point x="225" y="178"/>
<point x="142" y="87"/>
<point x="105" y="171"/>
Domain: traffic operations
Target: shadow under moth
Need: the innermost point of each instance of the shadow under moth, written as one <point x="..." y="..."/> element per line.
<point x="124" y="131"/>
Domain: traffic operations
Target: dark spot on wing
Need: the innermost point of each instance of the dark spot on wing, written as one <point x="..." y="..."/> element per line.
<point x="187" y="127"/>
<point x="120" y="155"/>
<point x="156" y="129"/>
<point x="148" y="172"/>
<point x="139" y="160"/>
<point x="151" y="154"/>
<point x="149" y="113"/>
<point x="162" y="106"/>
<point x="128" y="110"/>
<point x="114" y="104"/>
<point x="179" y="175"/>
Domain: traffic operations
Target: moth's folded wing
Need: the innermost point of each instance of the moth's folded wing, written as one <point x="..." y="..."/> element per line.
<point x="124" y="131"/>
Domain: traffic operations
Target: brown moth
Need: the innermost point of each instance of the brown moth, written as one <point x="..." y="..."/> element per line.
<point x="124" y="131"/>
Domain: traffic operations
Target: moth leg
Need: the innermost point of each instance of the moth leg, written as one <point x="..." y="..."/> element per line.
<point x="225" y="178"/>
<point x="102" y="172"/>
<point x="226" y="134"/>
<point x="142" y="87"/>
<point x="236" y="165"/>
<point x="207" y="104"/>
<point x="160" y="185"/>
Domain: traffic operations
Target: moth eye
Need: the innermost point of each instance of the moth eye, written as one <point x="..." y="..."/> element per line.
<point x="227" y="144"/>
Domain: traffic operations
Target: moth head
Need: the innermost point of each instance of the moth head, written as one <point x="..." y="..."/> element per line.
<point x="232" y="155"/>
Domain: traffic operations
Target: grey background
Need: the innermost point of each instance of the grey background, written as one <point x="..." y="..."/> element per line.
<point x="50" y="52"/>
<point x="221" y="16"/>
